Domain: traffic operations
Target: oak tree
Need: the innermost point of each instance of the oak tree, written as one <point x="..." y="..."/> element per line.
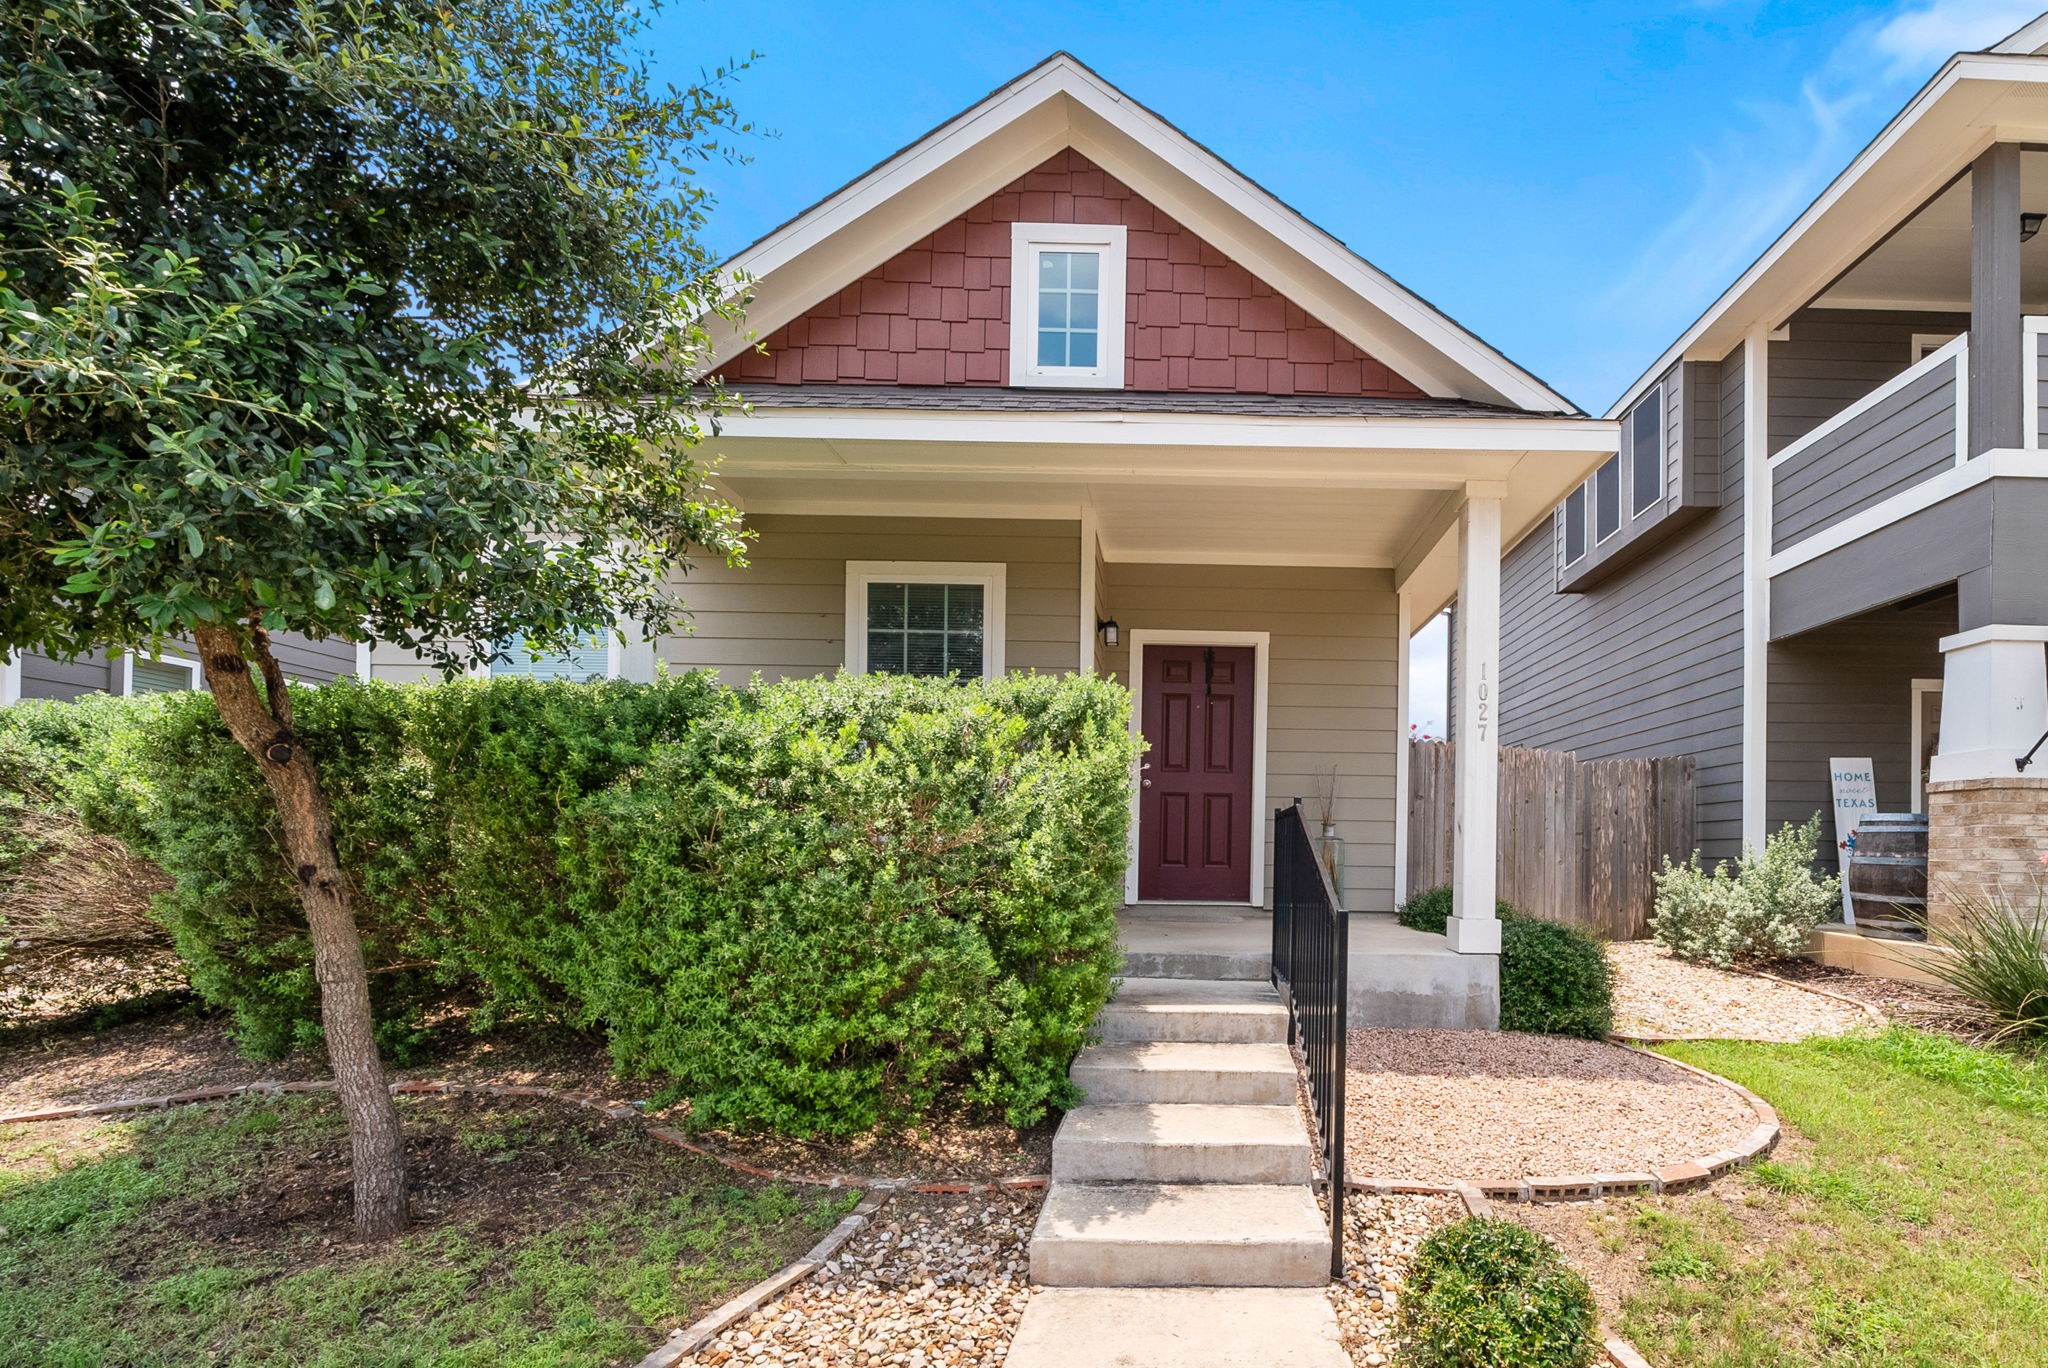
<point x="355" y="319"/>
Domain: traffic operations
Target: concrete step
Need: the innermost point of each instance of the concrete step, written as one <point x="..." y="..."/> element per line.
<point x="1194" y="1011"/>
<point x="1175" y="1071"/>
<point x="1177" y="1327"/>
<point x="1180" y="1235"/>
<point x="1182" y="1142"/>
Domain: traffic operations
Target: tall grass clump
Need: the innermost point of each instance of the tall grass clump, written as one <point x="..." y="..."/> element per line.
<point x="1999" y="961"/>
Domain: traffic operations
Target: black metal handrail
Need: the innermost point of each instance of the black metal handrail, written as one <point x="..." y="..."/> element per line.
<point x="1311" y="970"/>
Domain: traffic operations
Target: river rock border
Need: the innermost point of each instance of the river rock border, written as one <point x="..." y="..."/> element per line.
<point x="618" y="1111"/>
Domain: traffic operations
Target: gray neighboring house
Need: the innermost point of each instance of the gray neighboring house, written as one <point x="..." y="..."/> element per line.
<point x="1826" y="530"/>
<point x="33" y="675"/>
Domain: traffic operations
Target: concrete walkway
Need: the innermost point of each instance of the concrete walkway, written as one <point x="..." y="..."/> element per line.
<point x="1180" y="1230"/>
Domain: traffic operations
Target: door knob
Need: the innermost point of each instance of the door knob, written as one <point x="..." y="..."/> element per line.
<point x="1144" y="783"/>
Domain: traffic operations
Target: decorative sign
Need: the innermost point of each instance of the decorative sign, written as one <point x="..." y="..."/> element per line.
<point x="1855" y="785"/>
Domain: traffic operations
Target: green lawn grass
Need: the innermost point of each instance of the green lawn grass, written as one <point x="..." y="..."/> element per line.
<point x="133" y="1243"/>
<point x="1910" y="1228"/>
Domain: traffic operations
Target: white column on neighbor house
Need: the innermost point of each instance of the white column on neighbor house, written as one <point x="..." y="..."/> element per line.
<point x="1994" y="702"/>
<point x="10" y="678"/>
<point x="1473" y="929"/>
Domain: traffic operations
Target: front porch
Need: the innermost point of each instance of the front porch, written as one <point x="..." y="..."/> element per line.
<point x="1398" y="978"/>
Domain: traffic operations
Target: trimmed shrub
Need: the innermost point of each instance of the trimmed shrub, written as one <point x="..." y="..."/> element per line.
<point x="835" y="895"/>
<point x="807" y="906"/>
<point x="1554" y="978"/>
<point x="1489" y="1293"/>
<point x="1763" y="908"/>
<point x="1430" y="910"/>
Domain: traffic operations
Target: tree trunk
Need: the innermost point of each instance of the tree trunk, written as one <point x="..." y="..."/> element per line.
<point x="263" y="727"/>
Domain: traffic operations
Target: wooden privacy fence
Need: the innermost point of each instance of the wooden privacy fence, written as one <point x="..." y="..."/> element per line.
<point x="1578" y="839"/>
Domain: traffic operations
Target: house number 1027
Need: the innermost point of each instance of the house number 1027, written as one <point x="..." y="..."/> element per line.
<point x="1483" y="714"/>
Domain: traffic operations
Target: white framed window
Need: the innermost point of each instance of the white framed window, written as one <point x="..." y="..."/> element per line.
<point x="1645" y="435"/>
<point x="1927" y="344"/>
<point x="159" y="674"/>
<point x="1067" y="304"/>
<point x="596" y="657"/>
<point x="929" y="618"/>
<point x="1574" y="515"/>
<point x="1606" y="484"/>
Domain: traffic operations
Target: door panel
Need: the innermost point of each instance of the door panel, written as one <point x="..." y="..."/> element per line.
<point x="1194" y="809"/>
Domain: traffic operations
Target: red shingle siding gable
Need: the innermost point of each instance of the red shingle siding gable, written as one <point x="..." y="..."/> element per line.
<point x="937" y="313"/>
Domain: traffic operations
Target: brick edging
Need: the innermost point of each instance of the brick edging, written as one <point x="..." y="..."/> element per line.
<point x="618" y="1111"/>
<point x="1586" y="1187"/>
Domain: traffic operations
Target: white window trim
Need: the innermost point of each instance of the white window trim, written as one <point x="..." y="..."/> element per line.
<point x="1262" y="650"/>
<point x="992" y="576"/>
<point x="1927" y="344"/>
<point x="1564" y="518"/>
<point x="1026" y="241"/>
<point x="1620" y="500"/>
<point x="1630" y="511"/>
<point x="127" y="659"/>
<point x="1921" y="688"/>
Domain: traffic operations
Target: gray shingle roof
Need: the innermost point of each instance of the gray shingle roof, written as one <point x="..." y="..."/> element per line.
<point x="988" y="399"/>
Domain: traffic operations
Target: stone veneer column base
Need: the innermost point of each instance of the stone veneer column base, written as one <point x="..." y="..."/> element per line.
<point x="1985" y="839"/>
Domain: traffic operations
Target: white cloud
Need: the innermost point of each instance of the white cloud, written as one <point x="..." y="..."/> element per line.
<point x="1925" y="36"/>
<point x="1756" y="177"/>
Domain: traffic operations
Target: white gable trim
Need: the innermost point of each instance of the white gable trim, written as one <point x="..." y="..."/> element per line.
<point x="1062" y="103"/>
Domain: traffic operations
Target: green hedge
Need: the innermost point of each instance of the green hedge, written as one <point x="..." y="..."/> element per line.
<point x="1554" y="979"/>
<point x="806" y="906"/>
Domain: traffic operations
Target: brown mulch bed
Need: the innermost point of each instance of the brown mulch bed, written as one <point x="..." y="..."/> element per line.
<point x="1924" y="1006"/>
<point x="1441" y="1106"/>
<point x="191" y="1049"/>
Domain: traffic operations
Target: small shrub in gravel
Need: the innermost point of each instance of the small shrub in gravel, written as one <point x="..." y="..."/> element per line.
<point x="1554" y="978"/>
<point x="1488" y="1293"/>
<point x="1763" y="908"/>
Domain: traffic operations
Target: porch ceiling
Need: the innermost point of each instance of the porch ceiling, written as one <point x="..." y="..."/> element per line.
<point x="1279" y="524"/>
<point x="1925" y="263"/>
<point x="1299" y="491"/>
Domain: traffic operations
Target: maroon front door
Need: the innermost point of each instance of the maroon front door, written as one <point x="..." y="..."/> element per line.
<point x="1195" y="793"/>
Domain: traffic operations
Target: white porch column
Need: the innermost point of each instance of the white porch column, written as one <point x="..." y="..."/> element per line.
<point x="10" y="679"/>
<point x="1473" y="928"/>
<point x="1994" y="702"/>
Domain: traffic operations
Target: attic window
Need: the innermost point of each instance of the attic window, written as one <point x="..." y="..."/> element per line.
<point x="1067" y="305"/>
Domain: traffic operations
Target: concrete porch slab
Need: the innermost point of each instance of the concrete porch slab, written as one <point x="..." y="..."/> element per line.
<point x="1399" y="978"/>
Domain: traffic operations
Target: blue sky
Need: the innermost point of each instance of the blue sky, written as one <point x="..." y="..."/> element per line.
<point x="1574" y="183"/>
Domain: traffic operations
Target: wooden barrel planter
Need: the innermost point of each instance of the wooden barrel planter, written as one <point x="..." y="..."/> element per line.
<point x="1887" y="875"/>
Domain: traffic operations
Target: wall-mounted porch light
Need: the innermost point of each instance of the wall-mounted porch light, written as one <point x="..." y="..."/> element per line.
<point x="2030" y="224"/>
<point x="1108" y="628"/>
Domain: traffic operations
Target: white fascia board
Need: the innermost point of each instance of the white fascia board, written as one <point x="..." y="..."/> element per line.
<point x="1020" y="125"/>
<point x="1916" y="153"/>
<point x="1587" y="436"/>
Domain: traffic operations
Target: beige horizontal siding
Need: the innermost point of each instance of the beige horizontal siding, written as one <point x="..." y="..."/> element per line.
<point x="784" y="615"/>
<point x="1331" y="698"/>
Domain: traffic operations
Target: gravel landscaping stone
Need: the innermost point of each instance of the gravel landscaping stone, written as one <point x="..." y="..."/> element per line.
<point x="1381" y="1235"/>
<point x="934" y="1282"/>
<point x="1659" y="997"/>
<point x="1445" y="1106"/>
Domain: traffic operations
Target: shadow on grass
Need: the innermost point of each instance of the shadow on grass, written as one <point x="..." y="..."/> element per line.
<point x="221" y="1234"/>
